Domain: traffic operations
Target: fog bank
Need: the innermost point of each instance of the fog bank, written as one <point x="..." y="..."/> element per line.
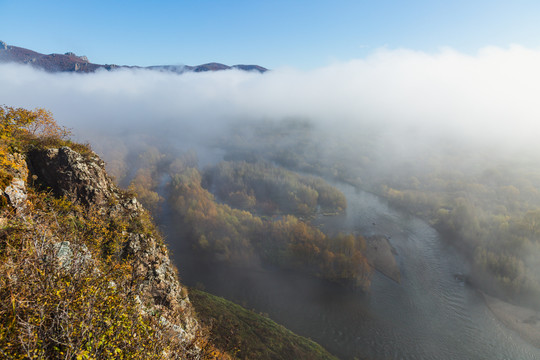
<point x="491" y="95"/>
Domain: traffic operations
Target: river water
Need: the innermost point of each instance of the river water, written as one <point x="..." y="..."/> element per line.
<point x="431" y="314"/>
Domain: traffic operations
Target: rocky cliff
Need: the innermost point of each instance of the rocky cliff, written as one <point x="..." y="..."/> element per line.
<point x="84" y="180"/>
<point x="62" y="204"/>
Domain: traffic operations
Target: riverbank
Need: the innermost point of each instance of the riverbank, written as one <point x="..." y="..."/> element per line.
<point x="525" y="322"/>
<point x="381" y="256"/>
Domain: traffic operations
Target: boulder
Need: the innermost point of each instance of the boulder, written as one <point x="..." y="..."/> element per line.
<point x="16" y="194"/>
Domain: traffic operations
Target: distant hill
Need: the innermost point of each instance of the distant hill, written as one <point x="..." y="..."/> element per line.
<point x="206" y="67"/>
<point x="69" y="62"/>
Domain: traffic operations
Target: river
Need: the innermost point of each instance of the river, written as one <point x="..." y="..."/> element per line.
<point x="431" y="314"/>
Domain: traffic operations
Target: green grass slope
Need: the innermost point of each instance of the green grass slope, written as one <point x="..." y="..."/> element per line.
<point x="247" y="335"/>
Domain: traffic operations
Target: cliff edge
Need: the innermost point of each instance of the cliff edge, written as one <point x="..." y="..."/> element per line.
<point x="84" y="273"/>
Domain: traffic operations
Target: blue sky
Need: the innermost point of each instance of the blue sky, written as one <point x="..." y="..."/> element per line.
<point x="299" y="34"/>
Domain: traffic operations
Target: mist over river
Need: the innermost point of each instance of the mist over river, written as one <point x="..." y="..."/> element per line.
<point x="431" y="314"/>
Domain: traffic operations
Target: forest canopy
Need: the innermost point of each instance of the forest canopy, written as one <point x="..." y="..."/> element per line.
<point x="257" y="220"/>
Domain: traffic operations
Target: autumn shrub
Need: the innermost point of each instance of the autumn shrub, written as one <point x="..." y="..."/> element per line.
<point x="21" y="129"/>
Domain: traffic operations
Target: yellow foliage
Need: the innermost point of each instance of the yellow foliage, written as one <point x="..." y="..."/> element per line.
<point x="18" y="125"/>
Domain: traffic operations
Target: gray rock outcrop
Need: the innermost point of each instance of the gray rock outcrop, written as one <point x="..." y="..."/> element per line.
<point x="67" y="173"/>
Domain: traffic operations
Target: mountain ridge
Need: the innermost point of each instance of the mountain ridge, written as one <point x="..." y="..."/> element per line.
<point x="70" y="62"/>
